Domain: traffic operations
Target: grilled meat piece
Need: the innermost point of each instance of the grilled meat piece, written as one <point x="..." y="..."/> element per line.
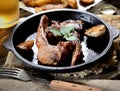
<point x="76" y="53"/>
<point x="50" y="54"/>
<point x="54" y="54"/>
<point x="78" y="24"/>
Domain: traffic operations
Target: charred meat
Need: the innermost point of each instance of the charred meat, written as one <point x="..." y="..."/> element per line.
<point x="54" y="54"/>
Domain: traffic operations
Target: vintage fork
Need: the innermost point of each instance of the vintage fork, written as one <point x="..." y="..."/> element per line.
<point x="15" y="73"/>
<point x="54" y="84"/>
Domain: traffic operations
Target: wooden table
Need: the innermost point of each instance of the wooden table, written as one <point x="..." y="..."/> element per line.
<point x="4" y="34"/>
<point x="113" y="20"/>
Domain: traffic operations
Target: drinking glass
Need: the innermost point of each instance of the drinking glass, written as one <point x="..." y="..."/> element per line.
<point x="9" y="13"/>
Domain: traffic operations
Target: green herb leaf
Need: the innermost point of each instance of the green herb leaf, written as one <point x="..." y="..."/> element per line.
<point x="66" y="30"/>
<point x="70" y="38"/>
<point x="55" y="32"/>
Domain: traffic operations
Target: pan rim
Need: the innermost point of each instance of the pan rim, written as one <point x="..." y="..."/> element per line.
<point x="49" y="68"/>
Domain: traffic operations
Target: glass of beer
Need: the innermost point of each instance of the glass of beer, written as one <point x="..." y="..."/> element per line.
<point x="9" y="13"/>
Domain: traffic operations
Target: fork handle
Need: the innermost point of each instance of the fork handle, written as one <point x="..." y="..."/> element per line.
<point x="72" y="86"/>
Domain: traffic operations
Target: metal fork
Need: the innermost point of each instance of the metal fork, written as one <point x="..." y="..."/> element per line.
<point x="15" y="73"/>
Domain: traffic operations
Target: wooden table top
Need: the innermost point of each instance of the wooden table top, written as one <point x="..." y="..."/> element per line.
<point x="113" y="20"/>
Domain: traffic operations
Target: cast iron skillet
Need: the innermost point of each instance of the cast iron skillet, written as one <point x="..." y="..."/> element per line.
<point x="93" y="49"/>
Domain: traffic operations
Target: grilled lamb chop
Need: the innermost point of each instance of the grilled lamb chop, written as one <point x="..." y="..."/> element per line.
<point x="50" y="54"/>
<point x="54" y="54"/>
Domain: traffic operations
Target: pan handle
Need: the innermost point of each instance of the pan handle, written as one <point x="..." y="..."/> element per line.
<point x="115" y="32"/>
<point x="8" y="44"/>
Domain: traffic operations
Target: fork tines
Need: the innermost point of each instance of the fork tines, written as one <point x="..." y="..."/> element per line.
<point x="9" y="71"/>
<point x="15" y="73"/>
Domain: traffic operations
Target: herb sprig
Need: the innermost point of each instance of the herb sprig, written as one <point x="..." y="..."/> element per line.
<point x="65" y="31"/>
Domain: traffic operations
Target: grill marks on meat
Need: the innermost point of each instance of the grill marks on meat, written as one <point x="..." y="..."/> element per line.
<point x="76" y="53"/>
<point x="41" y="39"/>
<point x="54" y="54"/>
<point x="78" y="24"/>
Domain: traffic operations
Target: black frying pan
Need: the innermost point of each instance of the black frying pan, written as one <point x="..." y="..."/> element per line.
<point x="93" y="49"/>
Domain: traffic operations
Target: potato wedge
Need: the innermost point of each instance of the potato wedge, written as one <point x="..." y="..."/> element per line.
<point x="37" y="3"/>
<point x="72" y="3"/>
<point x="27" y="45"/>
<point x="96" y="31"/>
<point x="49" y="7"/>
<point x="86" y="2"/>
